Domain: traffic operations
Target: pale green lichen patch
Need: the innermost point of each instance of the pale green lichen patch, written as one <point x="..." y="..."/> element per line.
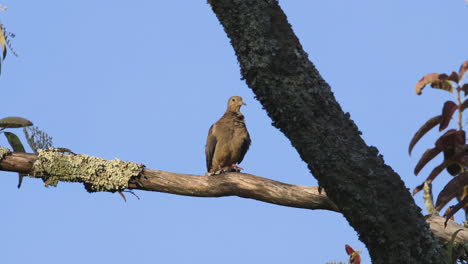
<point x="3" y="152"/>
<point x="97" y="174"/>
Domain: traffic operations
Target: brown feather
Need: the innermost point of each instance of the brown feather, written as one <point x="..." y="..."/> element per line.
<point x="228" y="139"/>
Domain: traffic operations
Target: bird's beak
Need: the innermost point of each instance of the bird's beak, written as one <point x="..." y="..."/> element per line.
<point x="244" y="103"/>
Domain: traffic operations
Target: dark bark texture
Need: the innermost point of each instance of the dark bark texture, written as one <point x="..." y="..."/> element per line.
<point x="369" y="193"/>
<point x="232" y="184"/>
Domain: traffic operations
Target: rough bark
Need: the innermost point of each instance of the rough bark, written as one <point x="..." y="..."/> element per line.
<point x="444" y="233"/>
<point x="227" y="184"/>
<point x="372" y="197"/>
<point x="234" y="184"/>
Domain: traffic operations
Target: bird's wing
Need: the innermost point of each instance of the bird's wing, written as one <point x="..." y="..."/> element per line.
<point x="244" y="147"/>
<point x="210" y="148"/>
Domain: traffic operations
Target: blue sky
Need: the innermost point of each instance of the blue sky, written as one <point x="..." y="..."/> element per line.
<point x="144" y="80"/>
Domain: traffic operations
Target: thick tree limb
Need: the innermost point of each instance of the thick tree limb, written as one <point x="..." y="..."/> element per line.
<point x="371" y="196"/>
<point x="234" y="184"/>
<point x="228" y="184"/>
<point x="444" y="234"/>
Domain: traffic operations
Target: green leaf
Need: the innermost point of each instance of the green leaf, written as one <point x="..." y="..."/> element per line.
<point x="14" y="142"/>
<point x="17" y="146"/>
<point x="14" y="122"/>
<point x="450" y="245"/>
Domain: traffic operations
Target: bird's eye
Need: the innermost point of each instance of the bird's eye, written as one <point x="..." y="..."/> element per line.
<point x="233" y="99"/>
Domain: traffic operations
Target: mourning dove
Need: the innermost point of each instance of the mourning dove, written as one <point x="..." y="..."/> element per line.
<point x="228" y="140"/>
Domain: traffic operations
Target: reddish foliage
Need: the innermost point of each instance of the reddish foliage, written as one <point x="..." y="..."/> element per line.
<point x="455" y="209"/>
<point x="426" y="157"/>
<point x="452" y="143"/>
<point x="349" y="249"/>
<point x="450" y="139"/>
<point x="418" y="188"/>
<point x="451" y="190"/>
<point x="464" y="88"/>
<point x="423" y="130"/>
<point x="448" y="212"/>
<point x="464" y="105"/>
<point x="436" y="80"/>
<point x="434" y="173"/>
<point x="463" y="69"/>
<point x="447" y="113"/>
<point x="354" y="257"/>
<point x="453" y="77"/>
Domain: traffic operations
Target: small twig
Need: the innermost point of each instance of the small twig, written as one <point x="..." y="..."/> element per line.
<point x="127" y="191"/>
<point x="123" y="196"/>
<point x="132" y="192"/>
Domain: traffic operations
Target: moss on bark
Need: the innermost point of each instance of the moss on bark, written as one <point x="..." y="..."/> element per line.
<point x="97" y="174"/>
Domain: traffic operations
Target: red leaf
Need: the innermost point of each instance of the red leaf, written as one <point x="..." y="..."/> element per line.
<point x="453" y="169"/>
<point x="451" y="143"/>
<point x="465" y="89"/>
<point x="423" y="130"/>
<point x="425" y="158"/>
<point x="354" y="257"/>
<point x="437" y="80"/>
<point x="465" y="103"/>
<point x="437" y="170"/>
<point x="447" y="113"/>
<point x="453" y="77"/>
<point x="463" y="69"/>
<point x="418" y="188"/>
<point x="447" y="212"/>
<point x="434" y="173"/>
<point x="450" y="139"/>
<point x="451" y="190"/>
<point x="455" y="209"/>
<point x="349" y="250"/>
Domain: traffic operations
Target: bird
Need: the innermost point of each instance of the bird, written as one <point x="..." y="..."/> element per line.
<point x="228" y="140"/>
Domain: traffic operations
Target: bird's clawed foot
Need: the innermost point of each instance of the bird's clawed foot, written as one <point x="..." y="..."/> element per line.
<point x="220" y="170"/>
<point x="236" y="168"/>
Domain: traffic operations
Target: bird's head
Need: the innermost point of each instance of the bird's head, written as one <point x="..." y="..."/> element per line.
<point x="235" y="103"/>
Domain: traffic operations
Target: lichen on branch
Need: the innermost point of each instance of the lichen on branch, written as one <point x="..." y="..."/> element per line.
<point x="3" y="152"/>
<point x="97" y="174"/>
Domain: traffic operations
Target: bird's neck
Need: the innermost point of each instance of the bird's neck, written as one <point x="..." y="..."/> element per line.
<point x="236" y="114"/>
<point x="233" y="108"/>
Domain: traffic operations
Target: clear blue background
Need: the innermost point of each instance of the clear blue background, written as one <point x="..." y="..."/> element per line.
<point x="144" y="80"/>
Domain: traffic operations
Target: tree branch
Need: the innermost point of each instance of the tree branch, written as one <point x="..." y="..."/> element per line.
<point x="227" y="184"/>
<point x="233" y="184"/>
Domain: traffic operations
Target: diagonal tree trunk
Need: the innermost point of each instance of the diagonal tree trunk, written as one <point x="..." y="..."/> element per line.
<point x="369" y="193"/>
<point x="227" y="184"/>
